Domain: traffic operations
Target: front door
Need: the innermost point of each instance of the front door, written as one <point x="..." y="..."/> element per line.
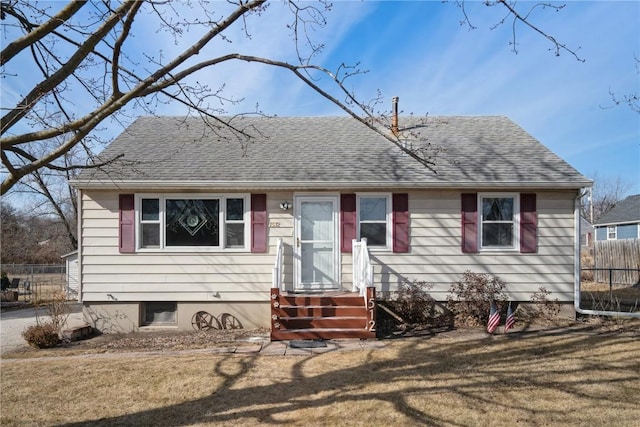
<point x="316" y="251"/>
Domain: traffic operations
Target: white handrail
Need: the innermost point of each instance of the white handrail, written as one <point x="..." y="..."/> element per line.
<point x="277" y="268"/>
<point x="362" y="271"/>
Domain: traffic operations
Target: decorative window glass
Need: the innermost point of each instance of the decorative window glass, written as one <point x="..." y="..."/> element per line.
<point x="192" y="222"/>
<point x="373" y="220"/>
<point x="182" y="222"/>
<point x="499" y="222"/>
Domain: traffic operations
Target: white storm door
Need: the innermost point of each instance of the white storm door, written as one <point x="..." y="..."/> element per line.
<point x="316" y="250"/>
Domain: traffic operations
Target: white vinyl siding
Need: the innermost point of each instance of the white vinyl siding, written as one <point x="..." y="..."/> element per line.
<point x="108" y="275"/>
<point x="435" y="256"/>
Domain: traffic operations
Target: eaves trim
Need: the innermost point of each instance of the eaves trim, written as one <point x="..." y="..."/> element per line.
<point x="319" y="185"/>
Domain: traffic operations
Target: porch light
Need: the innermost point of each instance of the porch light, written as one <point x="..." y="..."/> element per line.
<point x="285" y="206"/>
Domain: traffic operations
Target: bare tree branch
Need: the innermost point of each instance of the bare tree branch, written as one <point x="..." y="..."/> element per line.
<point x="38" y="32"/>
<point x="103" y="62"/>
<point x="525" y="19"/>
<point x="56" y="78"/>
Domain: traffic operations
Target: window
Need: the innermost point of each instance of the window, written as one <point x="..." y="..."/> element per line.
<point x="498" y="221"/>
<point x="150" y="223"/>
<point x="234" y="223"/>
<point x="179" y="222"/>
<point x="611" y="233"/>
<point x="374" y="213"/>
<point x="159" y="313"/>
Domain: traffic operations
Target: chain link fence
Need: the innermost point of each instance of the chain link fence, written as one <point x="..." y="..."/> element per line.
<point x="33" y="282"/>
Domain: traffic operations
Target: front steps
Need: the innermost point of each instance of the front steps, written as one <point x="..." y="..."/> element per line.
<point x="322" y="316"/>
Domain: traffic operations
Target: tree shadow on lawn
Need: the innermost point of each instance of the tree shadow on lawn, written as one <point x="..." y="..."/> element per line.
<point x="471" y="370"/>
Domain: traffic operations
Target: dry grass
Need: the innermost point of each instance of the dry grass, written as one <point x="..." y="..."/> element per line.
<point x="577" y="376"/>
<point x="599" y="296"/>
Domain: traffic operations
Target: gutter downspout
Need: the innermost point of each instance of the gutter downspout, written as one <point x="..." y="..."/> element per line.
<point x="79" y="233"/>
<point x="577" y="269"/>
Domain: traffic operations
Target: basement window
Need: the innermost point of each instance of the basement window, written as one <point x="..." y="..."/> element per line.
<point x="159" y="313"/>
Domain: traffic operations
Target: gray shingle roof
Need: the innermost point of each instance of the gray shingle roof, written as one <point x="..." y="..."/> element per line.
<point x="627" y="210"/>
<point x="293" y="152"/>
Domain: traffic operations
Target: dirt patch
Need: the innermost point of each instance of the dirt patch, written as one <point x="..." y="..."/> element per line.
<point x="168" y="340"/>
<point x="148" y="341"/>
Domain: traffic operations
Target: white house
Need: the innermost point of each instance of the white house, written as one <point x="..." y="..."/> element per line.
<point x="189" y="217"/>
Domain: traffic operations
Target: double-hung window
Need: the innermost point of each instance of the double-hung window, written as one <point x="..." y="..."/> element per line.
<point x="374" y="216"/>
<point x="612" y="233"/>
<point x="196" y="222"/>
<point x="499" y="221"/>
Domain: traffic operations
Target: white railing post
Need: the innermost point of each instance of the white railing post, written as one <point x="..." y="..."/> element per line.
<point x="355" y="264"/>
<point x="362" y="272"/>
<point x="277" y="268"/>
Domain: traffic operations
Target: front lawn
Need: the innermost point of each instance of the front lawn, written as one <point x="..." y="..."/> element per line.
<point x="560" y="376"/>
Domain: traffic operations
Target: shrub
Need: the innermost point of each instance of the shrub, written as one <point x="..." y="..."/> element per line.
<point x="542" y="307"/>
<point x="59" y="310"/>
<point x="413" y="302"/>
<point x="44" y="335"/>
<point x="470" y="299"/>
<point x="411" y="308"/>
<point x="586" y="260"/>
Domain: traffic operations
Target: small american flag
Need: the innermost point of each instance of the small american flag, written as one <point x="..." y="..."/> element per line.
<point x="511" y="319"/>
<point x="494" y="318"/>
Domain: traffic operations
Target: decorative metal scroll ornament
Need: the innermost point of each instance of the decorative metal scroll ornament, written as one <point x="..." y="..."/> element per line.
<point x="192" y="218"/>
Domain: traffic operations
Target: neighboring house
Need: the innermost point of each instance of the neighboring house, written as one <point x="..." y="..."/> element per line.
<point x="189" y="218"/>
<point x="586" y="233"/>
<point x="621" y="222"/>
<point x="72" y="280"/>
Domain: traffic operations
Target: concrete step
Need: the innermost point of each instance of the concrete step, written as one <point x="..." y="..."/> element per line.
<point x="320" y="333"/>
<point x="303" y="322"/>
<point x="77" y="333"/>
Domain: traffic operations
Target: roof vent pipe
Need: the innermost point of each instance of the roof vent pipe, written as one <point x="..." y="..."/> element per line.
<point x="394" y="115"/>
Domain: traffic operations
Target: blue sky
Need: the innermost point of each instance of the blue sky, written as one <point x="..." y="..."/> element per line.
<point x="419" y="52"/>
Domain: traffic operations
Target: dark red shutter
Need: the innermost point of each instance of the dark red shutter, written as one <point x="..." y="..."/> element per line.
<point x="348" y="221"/>
<point x="528" y="224"/>
<point x="400" y="208"/>
<point x="258" y="223"/>
<point x="469" y="223"/>
<point x="127" y="224"/>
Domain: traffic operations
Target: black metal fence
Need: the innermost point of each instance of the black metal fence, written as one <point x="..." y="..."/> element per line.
<point x="613" y="289"/>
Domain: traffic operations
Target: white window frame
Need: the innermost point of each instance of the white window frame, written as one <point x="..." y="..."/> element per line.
<point x="611" y="228"/>
<point x="222" y="221"/>
<point x="140" y="222"/>
<point x="516" y="221"/>
<point x="388" y="218"/>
